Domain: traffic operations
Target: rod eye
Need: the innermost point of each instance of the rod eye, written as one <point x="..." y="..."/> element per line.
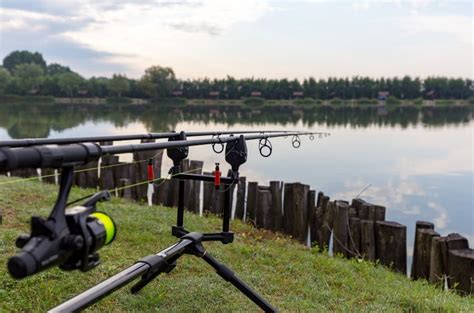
<point x="265" y="147"/>
<point x="217" y="147"/>
<point x="296" y="141"/>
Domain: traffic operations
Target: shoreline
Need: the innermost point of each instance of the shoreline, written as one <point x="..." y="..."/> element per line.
<point x="249" y="103"/>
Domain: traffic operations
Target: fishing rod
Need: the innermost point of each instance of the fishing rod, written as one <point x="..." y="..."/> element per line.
<point x="71" y="238"/>
<point x="83" y="153"/>
<point x="26" y="142"/>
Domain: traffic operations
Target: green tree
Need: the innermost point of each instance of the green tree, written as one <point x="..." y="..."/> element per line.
<point x="69" y="83"/>
<point x="5" y="80"/>
<point x="19" y="57"/>
<point x="98" y="87"/>
<point x="158" y="81"/>
<point x="55" y="69"/>
<point x="118" y="85"/>
<point x="29" y="77"/>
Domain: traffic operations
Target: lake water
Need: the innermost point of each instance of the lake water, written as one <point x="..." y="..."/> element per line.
<point x="419" y="164"/>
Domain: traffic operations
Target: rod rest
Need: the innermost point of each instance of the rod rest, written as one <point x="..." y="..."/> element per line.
<point x="224" y="237"/>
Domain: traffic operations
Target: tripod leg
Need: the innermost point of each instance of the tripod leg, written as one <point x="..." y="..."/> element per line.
<point x="230" y="276"/>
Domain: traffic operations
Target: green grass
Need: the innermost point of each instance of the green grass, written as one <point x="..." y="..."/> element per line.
<point x="289" y="275"/>
<point x="118" y="100"/>
<point x="254" y="102"/>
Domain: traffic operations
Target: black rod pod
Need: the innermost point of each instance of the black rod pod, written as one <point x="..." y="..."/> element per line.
<point x="68" y="238"/>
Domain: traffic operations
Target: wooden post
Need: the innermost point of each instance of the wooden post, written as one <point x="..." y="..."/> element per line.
<point x="92" y="175"/>
<point x="453" y="241"/>
<point x="323" y="234"/>
<point x="367" y="239"/>
<point x="357" y="204"/>
<point x="295" y="216"/>
<point x="461" y="270"/>
<point x="125" y="193"/>
<point x="240" y="205"/>
<point x="425" y="238"/>
<point x="276" y="189"/>
<point x="437" y="268"/>
<point x="341" y="228"/>
<point x="377" y="213"/>
<point x="416" y="250"/>
<point x="319" y="197"/>
<point x="213" y="199"/>
<point x="352" y="212"/>
<point x="354" y="237"/>
<point x="140" y="168"/>
<point x="48" y="172"/>
<point x="264" y="204"/>
<point x="162" y="192"/>
<point x="80" y="177"/>
<point x="365" y="211"/>
<point x="125" y="171"/>
<point x="195" y="192"/>
<point x="24" y="172"/>
<point x="251" y="201"/>
<point x="107" y="179"/>
<point x="391" y="243"/>
<point x="311" y="209"/>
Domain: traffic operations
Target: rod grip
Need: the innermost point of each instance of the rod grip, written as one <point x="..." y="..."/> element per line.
<point x="48" y="156"/>
<point x="21" y="265"/>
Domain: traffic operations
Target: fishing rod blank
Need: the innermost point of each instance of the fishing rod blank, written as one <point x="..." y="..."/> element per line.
<point x="27" y="142"/>
<point x="83" y="153"/>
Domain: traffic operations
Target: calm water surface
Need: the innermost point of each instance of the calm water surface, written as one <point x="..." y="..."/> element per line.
<point x="419" y="164"/>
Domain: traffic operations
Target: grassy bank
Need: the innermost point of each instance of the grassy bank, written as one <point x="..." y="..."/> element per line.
<point x="285" y="272"/>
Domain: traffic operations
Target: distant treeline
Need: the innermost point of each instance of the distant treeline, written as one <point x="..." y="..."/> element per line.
<point x="27" y="73"/>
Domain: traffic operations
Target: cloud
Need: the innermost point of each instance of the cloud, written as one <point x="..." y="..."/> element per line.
<point x="388" y="194"/>
<point x="156" y="33"/>
<point x="441" y="218"/>
<point x="413" y="5"/>
<point x="454" y="162"/>
<point x="12" y="19"/>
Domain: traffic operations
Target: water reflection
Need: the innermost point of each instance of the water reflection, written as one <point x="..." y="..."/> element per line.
<point x="21" y="120"/>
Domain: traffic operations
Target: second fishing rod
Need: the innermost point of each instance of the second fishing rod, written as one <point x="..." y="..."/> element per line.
<point x="83" y="153"/>
<point x="27" y="142"/>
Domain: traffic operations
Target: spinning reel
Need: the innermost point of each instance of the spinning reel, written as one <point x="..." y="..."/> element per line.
<point x="69" y="238"/>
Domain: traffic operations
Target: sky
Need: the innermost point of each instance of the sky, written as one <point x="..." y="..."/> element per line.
<point x="246" y="38"/>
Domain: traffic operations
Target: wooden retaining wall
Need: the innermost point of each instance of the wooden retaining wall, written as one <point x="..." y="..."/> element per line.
<point x="352" y="230"/>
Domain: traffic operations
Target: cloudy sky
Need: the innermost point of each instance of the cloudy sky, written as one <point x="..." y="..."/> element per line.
<point x="245" y="38"/>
